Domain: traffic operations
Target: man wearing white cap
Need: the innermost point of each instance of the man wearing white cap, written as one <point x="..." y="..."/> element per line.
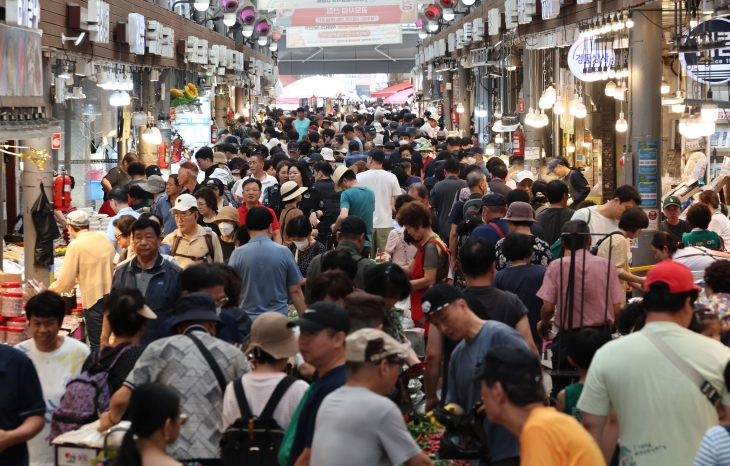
<point x="524" y="179"/>
<point x="191" y="243"/>
<point x="90" y="260"/>
<point x="357" y="423"/>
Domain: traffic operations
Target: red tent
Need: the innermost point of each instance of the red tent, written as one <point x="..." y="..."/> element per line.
<point x="401" y="97"/>
<point x="389" y="91"/>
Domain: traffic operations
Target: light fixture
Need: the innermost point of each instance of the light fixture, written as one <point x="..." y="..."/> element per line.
<point x="116" y="99"/>
<point x="76" y="40"/>
<point x="512" y="62"/>
<point x="263" y="40"/>
<point x="580" y="109"/>
<point x="610" y="88"/>
<point x="422" y="34"/>
<point x="559" y="108"/>
<point x="530" y="118"/>
<point x="448" y="14"/>
<point x="102" y="79"/>
<point x="433" y="25"/>
<point x="498" y="139"/>
<point x="629" y="21"/>
<point x="551" y="95"/>
<point x="274" y="46"/>
<point x="678" y="108"/>
<point x="544" y="103"/>
<point x="65" y="73"/>
<point x="247" y="30"/>
<point x="621" y="124"/>
<point x="490" y="149"/>
<point x="625" y="71"/>
<point x="139" y="119"/>
<point x="229" y="19"/>
<point x="201" y="5"/>
<point x="544" y="120"/>
<point x="620" y="92"/>
<point x="709" y="109"/>
<point x="498" y="114"/>
<point x="151" y="135"/>
<point x="468" y="2"/>
<point x="571" y="147"/>
<point x="480" y="111"/>
<point x="460" y="108"/>
<point x="573" y="105"/>
<point x="664" y="86"/>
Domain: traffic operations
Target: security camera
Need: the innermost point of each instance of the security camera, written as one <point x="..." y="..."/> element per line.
<point x="263" y="27"/>
<point x="248" y="14"/>
<point x="432" y="12"/>
<point x="229" y="6"/>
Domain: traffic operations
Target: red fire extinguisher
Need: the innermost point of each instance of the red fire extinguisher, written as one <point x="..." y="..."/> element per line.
<point x="162" y="155"/>
<point x="62" y="185"/>
<point x="177" y="148"/>
<point x="172" y="113"/>
<point x="518" y="143"/>
<point x="213" y="133"/>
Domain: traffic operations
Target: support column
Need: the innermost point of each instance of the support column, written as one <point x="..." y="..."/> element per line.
<point x="32" y="177"/>
<point x="448" y="101"/>
<point x="555" y="119"/>
<point x="533" y="136"/>
<point x="465" y="100"/>
<point x="645" y="115"/>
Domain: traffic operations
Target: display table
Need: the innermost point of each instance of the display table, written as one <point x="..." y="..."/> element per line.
<point x="84" y="447"/>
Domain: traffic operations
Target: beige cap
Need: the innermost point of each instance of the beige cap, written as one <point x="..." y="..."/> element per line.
<point x="290" y="190"/>
<point x="327" y="154"/>
<point x="147" y="312"/>
<point x="371" y="345"/>
<point x="185" y="202"/>
<point x="78" y="219"/>
<point x="229" y="213"/>
<point x="339" y="171"/>
<point x="219" y="157"/>
<point x="270" y="333"/>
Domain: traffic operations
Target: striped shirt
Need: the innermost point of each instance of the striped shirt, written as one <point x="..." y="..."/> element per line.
<point x="715" y="448"/>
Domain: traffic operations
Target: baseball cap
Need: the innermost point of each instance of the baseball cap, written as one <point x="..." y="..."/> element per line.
<point x="476" y="150"/>
<point x="494" y="200"/>
<point x="292" y="146"/>
<point x="196" y="306"/>
<point x="441" y="135"/>
<point x="393" y="124"/>
<point x="365" y="305"/>
<point x="510" y="364"/>
<point x="671" y="200"/>
<point x="327" y="154"/>
<point x="273" y="142"/>
<point x="524" y="175"/>
<point x="411" y="131"/>
<point x="371" y="345"/>
<point x="78" y="218"/>
<point x="339" y="171"/>
<point x="369" y="129"/>
<point x="322" y="315"/>
<point x="219" y="157"/>
<point x="271" y="333"/>
<point x="436" y="298"/>
<point x="676" y="275"/>
<point x="154" y="184"/>
<point x="554" y="163"/>
<point x="152" y="170"/>
<point x="353" y="146"/>
<point x="248" y="142"/>
<point x="519" y="212"/>
<point x="353" y="224"/>
<point x="316" y="157"/>
<point x="314" y="128"/>
<point x="146" y="312"/>
<point x="185" y="202"/>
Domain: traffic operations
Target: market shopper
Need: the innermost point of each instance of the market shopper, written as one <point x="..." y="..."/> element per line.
<point x="56" y="358"/>
<point x="89" y="261"/>
<point x="658" y="426"/>
<point x="498" y="184"/>
<point x="357" y="423"/>
<point x="117" y="177"/>
<point x="355" y="200"/>
<point x="520" y="219"/>
<point x="324" y="327"/>
<point x="558" y="214"/>
<point x="303" y="246"/>
<point x="178" y="362"/>
<point x="443" y="194"/>
<point x="476" y="182"/>
<point x="514" y="397"/>
<point x="187" y="178"/>
<point x="119" y="202"/>
<point x="191" y="243"/>
<point x="494" y="208"/>
<point x="228" y="222"/>
<point x="291" y="194"/>
<point x="324" y="183"/>
<point x="699" y="217"/>
<point x="578" y="187"/>
<point x="256" y="165"/>
<point x="311" y="203"/>
<point x="385" y="186"/>
<point x="164" y="202"/>
<point x="208" y="209"/>
<point x="616" y="246"/>
<point x="400" y="251"/>
<point x="23" y="410"/>
<point x="603" y="219"/>
<point x="270" y="275"/>
<point x="251" y="189"/>
<point x="677" y="227"/>
<point x="122" y="231"/>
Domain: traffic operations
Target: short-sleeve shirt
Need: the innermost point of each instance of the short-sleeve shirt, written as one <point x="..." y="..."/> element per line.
<point x="357" y="426"/>
<point x="715" y="448"/>
<point x="551" y="438"/>
<point x="703" y="238"/>
<point x="592" y="273"/>
<point x="195" y="248"/>
<point x="489" y="231"/>
<point x="267" y="270"/>
<point x="457" y="210"/>
<point x="677" y="230"/>
<point x="323" y="386"/>
<point x="385" y="186"/>
<point x="22" y="398"/>
<point x="598" y="223"/>
<point x="117" y="177"/>
<point x="301" y="126"/>
<point x="616" y="249"/>
<point x="177" y="363"/>
<point x="123" y="366"/>
<point x="662" y="414"/>
<point x="360" y="202"/>
<point x="541" y="254"/>
<point x="243" y="212"/>
<point x="524" y="281"/>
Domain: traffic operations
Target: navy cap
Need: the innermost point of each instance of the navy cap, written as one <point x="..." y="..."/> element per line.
<point x="476" y="150"/>
<point x="494" y="200"/>
<point x="370" y="129"/>
<point x="196" y="306"/>
<point x="353" y="145"/>
<point x="322" y="315"/>
<point x="512" y="364"/>
<point x="292" y="146"/>
<point x="249" y="142"/>
<point x="316" y="157"/>
<point x="393" y="124"/>
<point x="554" y="163"/>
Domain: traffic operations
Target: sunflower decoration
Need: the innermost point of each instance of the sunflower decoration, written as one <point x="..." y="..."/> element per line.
<point x="185" y="96"/>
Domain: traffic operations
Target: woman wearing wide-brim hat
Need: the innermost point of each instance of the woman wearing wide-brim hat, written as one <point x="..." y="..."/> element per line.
<point x="291" y="194"/>
<point x="228" y="222"/>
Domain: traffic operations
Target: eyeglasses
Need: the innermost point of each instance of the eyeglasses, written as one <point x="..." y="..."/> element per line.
<point x="183" y="419"/>
<point x="398" y="362"/>
<point x="181" y="216"/>
<point x="222" y="301"/>
<point x="119" y="236"/>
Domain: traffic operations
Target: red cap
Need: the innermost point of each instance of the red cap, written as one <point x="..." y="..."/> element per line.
<point x="676" y="275"/>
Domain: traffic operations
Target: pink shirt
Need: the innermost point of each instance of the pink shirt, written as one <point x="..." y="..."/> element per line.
<point x="599" y="274"/>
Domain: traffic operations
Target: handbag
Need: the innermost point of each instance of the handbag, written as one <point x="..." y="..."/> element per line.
<point x="464" y="437"/>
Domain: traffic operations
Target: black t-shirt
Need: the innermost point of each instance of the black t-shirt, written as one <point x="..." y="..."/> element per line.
<point x="676" y="230"/>
<point x="552" y="220"/>
<point x="311" y="201"/>
<point x="212" y="225"/>
<point x="121" y="369"/>
<point x="227" y="249"/>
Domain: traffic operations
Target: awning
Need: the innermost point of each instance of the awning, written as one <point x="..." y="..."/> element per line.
<point x="313" y="86"/>
<point x="401" y="97"/>
<point x="389" y="91"/>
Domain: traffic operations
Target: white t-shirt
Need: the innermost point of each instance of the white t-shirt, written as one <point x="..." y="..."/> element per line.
<point x="268" y="181"/>
<point x="54" y="370"/>
<point x="720" y="224"/>
<point x="662" y="415"/>
<point x="697" y="259"/>
<point x="385" y="185"/>
<point x="358" y="427"/>
<point x="598" y="223"/>
<point x="258" y="389"/>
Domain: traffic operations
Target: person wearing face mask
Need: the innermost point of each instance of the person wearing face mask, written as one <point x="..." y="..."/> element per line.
<point x="228" y="222"/>
<point x="303" y="246"/>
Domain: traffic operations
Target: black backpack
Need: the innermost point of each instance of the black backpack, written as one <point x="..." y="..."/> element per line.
<point x="594" y="249"/>
<point x="252" y="440"/>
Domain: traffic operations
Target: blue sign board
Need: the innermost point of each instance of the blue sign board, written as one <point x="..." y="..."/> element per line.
<point x="647" y="177"/>
<point x="718" y="71"/>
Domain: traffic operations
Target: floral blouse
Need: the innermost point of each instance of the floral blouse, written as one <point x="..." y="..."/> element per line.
<point x="541" y="254"/>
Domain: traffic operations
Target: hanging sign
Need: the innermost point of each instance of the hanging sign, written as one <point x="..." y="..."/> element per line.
<point x="647" y="172"/>
<point x="56" y="141"/>
<point x="339" y="15"/>
<point x="301" y="4"/>
<point x="587" y="50"/>
<point x="334" y="36"/>
<point x="718" y="71"/>
<point x="21" y="66"/>
<point x="550" y="9"/>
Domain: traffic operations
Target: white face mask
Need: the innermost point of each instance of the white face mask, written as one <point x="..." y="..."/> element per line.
<point x="301" y="244"/>
<point x="218" y="310"/>
<point x="472" y="160"/>
<point x="226" y="229"/>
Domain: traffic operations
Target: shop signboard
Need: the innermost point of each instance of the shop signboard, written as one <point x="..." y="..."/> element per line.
<point x="532" y="153"/>
<point x="647" y="172"/>
<point x="339" y="15"/>
<point x="718" y="70"/>
<point x="194" y="128"/>
<point x="20" y="63"/>
<point x="301" y="4"/>
<point x="334" y="36"/>
<point x="586" y="50"/>
<point x="653" y="216"/>
<point x="56" y="141"/>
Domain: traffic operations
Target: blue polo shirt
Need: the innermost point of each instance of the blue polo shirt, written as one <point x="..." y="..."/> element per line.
<point x="323" y="386"/>
<point x="22" y="397"/>
<point x="268" y="270"/>
<point x="488" y="231"/>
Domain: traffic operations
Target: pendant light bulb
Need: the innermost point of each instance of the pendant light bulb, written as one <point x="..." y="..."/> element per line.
<point x="490" y="149"/>
<point x="498" y="139"/>
<point x="664" y="86"/>
<point x="629" y="21"/>
<point x="571" y="147"/>
<point x="610" y="88"/>
<point x="621" y="124"/>
<point x="559" y="108"/>
<point x="580" y="110"/>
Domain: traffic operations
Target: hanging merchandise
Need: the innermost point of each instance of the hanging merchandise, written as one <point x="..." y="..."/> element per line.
<point x="46" y="229"/>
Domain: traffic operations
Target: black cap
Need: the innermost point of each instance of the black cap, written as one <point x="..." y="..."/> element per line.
<point x="292" y="146"/>
<point x="369" y="129"/>
<point x="476" y="150"/>
<point x="152" y="170"/>
<point x="316" y="157"/>
<point x="353" y="145"/>
<point x="511" y="364"/>
<point x="322" y="315"/>
<point x="436" y="298"/>
<point x="411" y="131"/>
<point x="494" y="200"/>
<point x="196" y="306"/>
<point x="353" y="224"/>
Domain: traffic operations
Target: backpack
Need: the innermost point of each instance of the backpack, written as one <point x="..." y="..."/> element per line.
<point x="471" y="205"/>
<point x="208" y="243"/>
<point x="557" y="247"/>
<point x="594" y="249"/>
<point x="252" y="440"/>
<point x="272" y="199"/>
<point x="86" y="397"/>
